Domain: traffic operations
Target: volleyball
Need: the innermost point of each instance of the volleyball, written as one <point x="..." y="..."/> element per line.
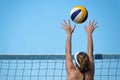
<point x="79" y="14"/>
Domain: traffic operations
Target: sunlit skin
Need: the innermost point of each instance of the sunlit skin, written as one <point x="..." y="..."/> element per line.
<point x="73" y="72"/>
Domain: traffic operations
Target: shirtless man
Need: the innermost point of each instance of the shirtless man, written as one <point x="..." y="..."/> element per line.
<point x="84" y="62"/>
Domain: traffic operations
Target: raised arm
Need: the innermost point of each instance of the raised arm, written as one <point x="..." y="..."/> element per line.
<point x="69" y="31"/>
<point x="91" y="27"/>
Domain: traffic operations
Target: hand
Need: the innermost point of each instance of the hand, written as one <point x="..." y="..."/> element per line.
<point x="91" y="27"/>
<point x="67" y="27"/>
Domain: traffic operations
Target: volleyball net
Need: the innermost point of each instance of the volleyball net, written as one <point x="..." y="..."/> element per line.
<point x="52" y="67"/>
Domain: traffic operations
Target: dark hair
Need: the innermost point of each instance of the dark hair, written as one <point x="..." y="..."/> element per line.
<point x="83" y="60"/>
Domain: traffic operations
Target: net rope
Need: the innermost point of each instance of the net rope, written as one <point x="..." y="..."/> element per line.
<point x="52" y="67"/>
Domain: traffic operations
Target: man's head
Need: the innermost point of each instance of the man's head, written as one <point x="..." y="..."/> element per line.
<point x="82" y="61"/>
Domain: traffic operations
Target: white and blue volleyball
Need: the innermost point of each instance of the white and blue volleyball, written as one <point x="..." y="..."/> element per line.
<point x="79" y="14"/>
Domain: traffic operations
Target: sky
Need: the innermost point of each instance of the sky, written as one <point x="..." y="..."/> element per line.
<point x="34" y="26"/>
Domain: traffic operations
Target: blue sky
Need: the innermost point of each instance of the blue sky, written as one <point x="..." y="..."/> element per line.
<point x="33" y="26"/>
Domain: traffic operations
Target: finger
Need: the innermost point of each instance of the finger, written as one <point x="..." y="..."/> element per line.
<point x="89" y="22"/>
<point x="74" y="26"/>
<point x="65" y="22"/>
<point x="93" y="22"/>
<point x="96" y="27"/>
<point x="62" y="27"/>
<point x="68" y="22"/>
